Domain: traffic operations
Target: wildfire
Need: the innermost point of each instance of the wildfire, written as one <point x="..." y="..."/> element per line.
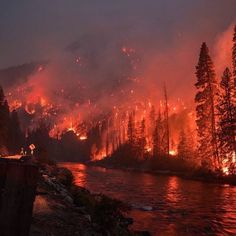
<point x="149" y="149"/>
<point x="82" y="115"/>
<point x="83" y="137"/>
<point x="16" y="104"/>
<point x="173" y="152"/>
<point x="43" y="102"/>
<point x="99" y="156"/>
<point x="42" y="106"/>
<point x="225" y="170"/>
<point x="225" y="162"/>
<point x="71" y="129"/>
<point x="29" y="108"/>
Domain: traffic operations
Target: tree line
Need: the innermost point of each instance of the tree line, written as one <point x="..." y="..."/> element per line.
<point x="216" y="113"/>
<point x="11" y="136"/>
<point x="215" y="101"/>
<point x="150" y="137"/>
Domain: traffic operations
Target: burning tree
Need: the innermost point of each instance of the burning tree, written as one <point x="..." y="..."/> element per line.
<point x="141" y="140"/>
<point x="234" y="80"/>
<point x="157" y="136"/>
<point x="185" y="149"/>
<point x="131" y="132"/>
<point x="166" y="124"/>
<point x="226" y="123"/>
<point x="234" y="57"/>
<point x="205" y="110"/>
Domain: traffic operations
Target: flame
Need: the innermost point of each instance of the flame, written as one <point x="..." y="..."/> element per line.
<point x="101" y="155"/>
<point x="80" y="116"/>
<point x="29" y="108"/>
<point x="149" y="149"/>
<point x="225" y="163"/>
<point x="71" y="129"/>
<point x="43" y="107"/>
<point x="225" y="170"/>
<point x="234" y="157"/>
<point x="16" y="104"/>
<point x="83" y="137"/>
<point x="43" y="102"/>
<point x="173" y="152"/>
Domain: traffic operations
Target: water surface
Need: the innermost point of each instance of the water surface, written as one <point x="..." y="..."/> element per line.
<point x="175" y="206"/>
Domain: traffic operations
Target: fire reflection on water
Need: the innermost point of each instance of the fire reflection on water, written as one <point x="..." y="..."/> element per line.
<point x="79" y="173"/>
<point x="165" y="205"/>
<point x="172" y="190"/>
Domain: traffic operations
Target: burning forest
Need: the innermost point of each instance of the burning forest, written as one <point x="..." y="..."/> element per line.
<point x="122" y="108"/>
<point x="118" y="118"/>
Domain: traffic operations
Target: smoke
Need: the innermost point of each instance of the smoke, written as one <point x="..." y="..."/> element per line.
<point x="108" y="55"/>
<point x="223" y="50"/>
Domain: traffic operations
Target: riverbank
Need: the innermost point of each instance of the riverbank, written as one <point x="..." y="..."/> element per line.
<point x="164" y="205"/>
<point x="187" y="173"/>
<point x="61" y="208"/>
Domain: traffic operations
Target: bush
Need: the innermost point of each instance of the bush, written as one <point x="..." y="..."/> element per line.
<point x="107" y="212"/>
<point x="104" y="211"/>
<point x="83" y="198"/>
<point x="65" y="177"/>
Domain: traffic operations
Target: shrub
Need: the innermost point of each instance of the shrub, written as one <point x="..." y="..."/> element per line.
<point x="65" y="177"/>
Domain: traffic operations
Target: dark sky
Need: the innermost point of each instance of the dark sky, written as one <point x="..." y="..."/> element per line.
<point x="33" y="30"/>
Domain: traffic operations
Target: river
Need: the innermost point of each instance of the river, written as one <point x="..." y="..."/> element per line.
<point x="165" y="205"/>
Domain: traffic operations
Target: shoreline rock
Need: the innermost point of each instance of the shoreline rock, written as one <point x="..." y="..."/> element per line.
<point x="62" y="208"/>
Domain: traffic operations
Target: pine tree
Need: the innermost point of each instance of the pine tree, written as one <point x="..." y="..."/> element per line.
<point x="142" y="139"/>
<point x="131" y="130"/>
<point x="184" y="147"/>
<point x="166" y="140"/>
<point x="234" y="56"/>
<point x="227" y="122"/>
<point x="156" y="141"/>
<point x="157" y="136"/>
<point x="152" y="117"/>
<point x="205" y="109"/>
<point x="234" y="78"/>
<point x="234" y="69"/>
<point x="2" y="96"/>
<point x="4" y="123"/>
<point x="16" y="137"/>
<point x="107" y="138"/>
